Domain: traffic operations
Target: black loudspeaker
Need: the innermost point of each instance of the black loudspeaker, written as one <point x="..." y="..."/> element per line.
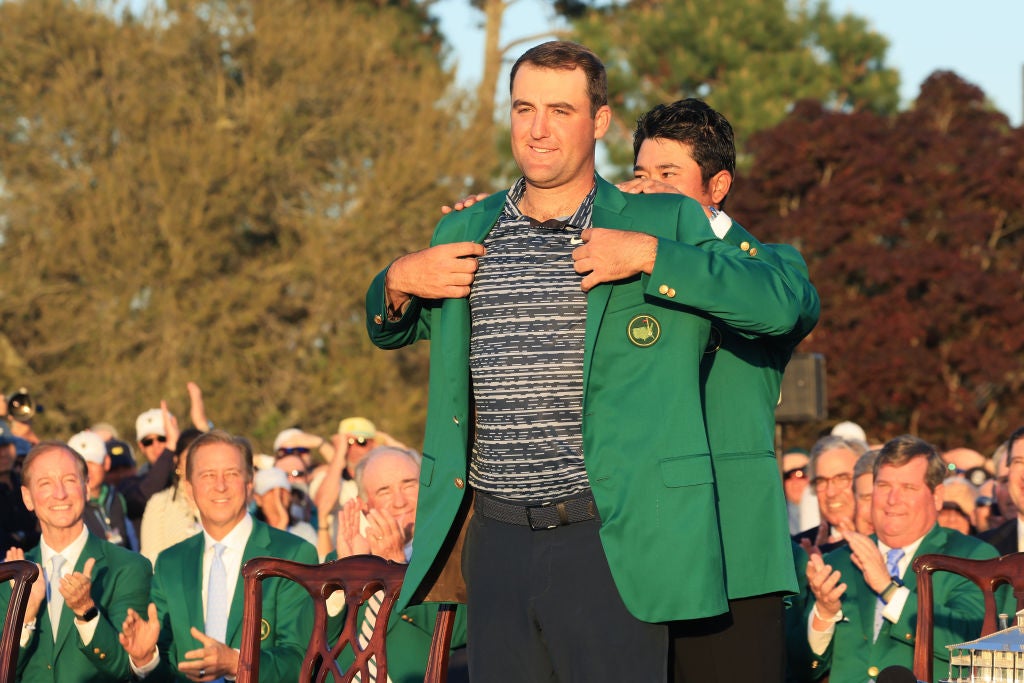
<point x="802" y="397"/>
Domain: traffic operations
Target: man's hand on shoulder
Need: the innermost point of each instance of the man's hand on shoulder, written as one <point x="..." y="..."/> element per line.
<point x="445" y="271"/>
<point x="611" y="255"/>
<point x="463" y="204"/>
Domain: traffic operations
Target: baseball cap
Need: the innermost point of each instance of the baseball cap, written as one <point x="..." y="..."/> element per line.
<point x="150" y="422"/>
<point x="284" y="436"/>
<point x="120" y="454"/>
<point x="90" y="446"/>
<point x="270" y="479"/>
<point x="357" y="426"/>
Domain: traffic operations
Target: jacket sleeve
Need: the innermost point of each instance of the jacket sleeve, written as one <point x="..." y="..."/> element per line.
<point x="123" y="583"/>
<point x="750" y="290"/>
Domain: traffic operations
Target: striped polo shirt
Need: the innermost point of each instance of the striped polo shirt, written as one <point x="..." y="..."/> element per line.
<point x="526" y="357"/>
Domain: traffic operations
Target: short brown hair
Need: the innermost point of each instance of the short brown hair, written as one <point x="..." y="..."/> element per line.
<point x="215" y="436"/>
<point x="562" y="54"/>
<point x="901" y="450"/>
<point x="47" y="446"/>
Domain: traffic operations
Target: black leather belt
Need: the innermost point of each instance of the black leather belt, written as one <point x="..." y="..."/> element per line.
<point x="537" y="517"/>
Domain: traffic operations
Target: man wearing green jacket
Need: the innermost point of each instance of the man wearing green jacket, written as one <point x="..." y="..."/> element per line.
<point x="193" y="628"/>
<point x="568" y="322"/>
<point x="863" y="614"/>
<point x="688" y="147"/>
<point x="86" y="585"/>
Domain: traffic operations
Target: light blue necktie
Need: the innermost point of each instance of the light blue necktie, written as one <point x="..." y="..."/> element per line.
<point x="54" y="599"/>
<point x="217" y="596"/>
<point x="892" y="564"/>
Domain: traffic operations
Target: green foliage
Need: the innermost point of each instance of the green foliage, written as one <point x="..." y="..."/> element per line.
<point x="913" y="231"/>
<point x="206" y="194"/>
<point x="752" y="60"/>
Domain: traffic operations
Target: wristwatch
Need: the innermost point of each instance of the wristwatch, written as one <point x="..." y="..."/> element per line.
<point x="891" y="589"/>
<point x="89" y="615"/>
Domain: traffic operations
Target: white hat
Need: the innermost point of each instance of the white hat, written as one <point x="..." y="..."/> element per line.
<point x="90" y="446"/>
<point x="283" y="437"/>
<point x="150" y="422"/>
<point x="270" y="479"/>
<point x="262" y="461"/>
<point x="850" y="431"/>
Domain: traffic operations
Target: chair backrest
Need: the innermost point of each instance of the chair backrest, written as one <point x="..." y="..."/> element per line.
<point x="23" y="573"/>
<point x="988" y="575"/>
<point x="359" y="576"/>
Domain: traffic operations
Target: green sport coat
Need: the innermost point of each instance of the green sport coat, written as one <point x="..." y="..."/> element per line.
<point x="959" y="610"/>
<point x="742" y="377"/>
<point x="644" y="442"/>
<point x="287" y="608"/>
<point x="120" y="579"/>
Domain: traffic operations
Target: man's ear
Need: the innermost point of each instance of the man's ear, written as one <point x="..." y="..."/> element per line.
<point x="720" y="184"/>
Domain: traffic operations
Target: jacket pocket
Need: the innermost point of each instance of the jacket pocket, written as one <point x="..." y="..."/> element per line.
<point x="687" y="470"/>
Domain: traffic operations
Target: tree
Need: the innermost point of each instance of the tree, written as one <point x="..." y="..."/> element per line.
<point x="914" y="233"/>
<point x="752" y="60"/>
<point x="204" y="194"/>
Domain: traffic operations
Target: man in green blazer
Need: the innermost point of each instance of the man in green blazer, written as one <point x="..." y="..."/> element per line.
<point x="863" y="614"/>
<point x="72" y="634"/>
<point x="687" y="147"/>
<point x="586" y="426"/>
<point x="192" y="631"/>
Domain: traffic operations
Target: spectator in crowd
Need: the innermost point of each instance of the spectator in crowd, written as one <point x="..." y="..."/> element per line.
<point x="969" y="463"/>
<point x="293" y="449"/>
<point x="1008" y="537"/>
<point x="381" y="521"/>
<point x="958" y="505"/>
<point x="794" y="483"/>
<point x="864" y="609"/>
<point x="335" y="485"/>
<point x="863" y="485"/>
<point x="171" y="515"/>
<point x="86" y="585"/>
<point x="273" y="494"/>
<point x="193" y="625"/>
<point x="17" y="525"/>
<point x="105" y="514"/>
<point x="1003" y="508"/>
<point x="157" y="437"/>
<point x="831" y="468"/>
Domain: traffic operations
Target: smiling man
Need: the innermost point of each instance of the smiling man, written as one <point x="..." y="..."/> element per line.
<point x="86" y="585"/>
<point x="576" y="317"/>
<point x="864" y="613"/>
<point x="193" y="627"/>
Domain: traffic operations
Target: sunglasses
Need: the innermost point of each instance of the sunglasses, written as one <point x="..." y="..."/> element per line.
<point x="353" y="441"/>
<point x="296" y="473"/>
<point x="281" y="452"/>
<point x="148" y="441"/>
<point x="797" y="473"/>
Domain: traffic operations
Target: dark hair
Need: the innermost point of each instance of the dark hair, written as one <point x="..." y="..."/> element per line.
<point x="215" y="436"/>
<point x="691" y="122"/>
<point x="1017" y="435"/>
<point x="47" y="446"/>
<point x="561" y="54"/>
<point x="901" y="450"/>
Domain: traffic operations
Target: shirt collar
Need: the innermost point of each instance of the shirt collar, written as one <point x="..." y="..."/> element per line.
<point x="234" y="539"/>
<point x="580" y="218"/>
<point x="70" y="553"/>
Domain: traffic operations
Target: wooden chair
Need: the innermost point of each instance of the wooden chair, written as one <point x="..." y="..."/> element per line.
<point x="359" y="576"/>
<point x="988" y="575"/>
<point x="23" y="573"/>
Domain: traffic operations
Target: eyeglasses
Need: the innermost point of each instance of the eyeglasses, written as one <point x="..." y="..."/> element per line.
<point x="148" y="441"/>
<point x="353" y="441"/>
<point x="281" y="452"/>
<point x="796" y="473"/>
<point x="842" y="481"/>
<point x="296" y="473"/>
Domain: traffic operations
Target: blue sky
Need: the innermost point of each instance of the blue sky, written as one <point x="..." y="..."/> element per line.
<point x="980" y="40"/>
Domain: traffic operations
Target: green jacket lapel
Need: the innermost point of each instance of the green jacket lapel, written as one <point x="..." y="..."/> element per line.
<point x="188" y="580"/>
<point x="258" y="545"/>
